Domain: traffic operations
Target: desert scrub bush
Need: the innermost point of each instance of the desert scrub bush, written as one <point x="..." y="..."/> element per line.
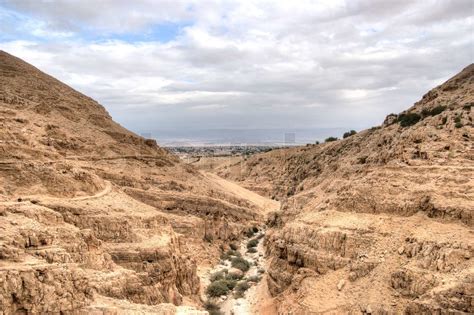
<point x="217" y="288"/>
<point x="233" y="276"/>
<point x="408" y="119"/>
<point x="252" y="250"/>
<point x="458" y="125"/>
<point x="240" y="263"/>
<point x="233" y="246"/>
<point x="457" y="119"/>
<point x="252" y="243"/>
<point x="349" y="133"/>
<point x="212" y="308"/>
<point x="249" y="232"/>
<point x="242" y="286"/>
<point x="219" y="275"/>
<point x="330" y="139"/>
<point x="255" y="229"/>
<point x="433" y="112"/>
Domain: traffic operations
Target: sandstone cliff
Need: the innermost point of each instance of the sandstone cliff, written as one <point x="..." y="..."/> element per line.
<point x="380" y="222"/>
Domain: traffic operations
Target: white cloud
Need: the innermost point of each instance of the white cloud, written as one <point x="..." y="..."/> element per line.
<point x="250" y="64"/>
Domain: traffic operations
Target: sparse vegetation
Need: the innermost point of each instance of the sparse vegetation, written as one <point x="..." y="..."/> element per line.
<point x="458" y="125"/>
<point x="252" y="243"/>
<point x="433" y="112"/>
<point x="240" y="263"/>
<point x="233" y="246"/>
<point x="408" y="119"/>
<point x="212" y="308"/>
<point x="242" y="286"/>
<point x="331" y="139"/>
<point x="217" y="288"/>
<point x="252" y="250"/>
<point x="349" y="133"/>
<point x="219" y="275"/>
<point x="249" y="232"/>
<point x="233" y="276"/>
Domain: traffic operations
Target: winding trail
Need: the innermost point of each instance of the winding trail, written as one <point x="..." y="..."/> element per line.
<point x="266" y="204"/>
<point x="107" y="189"/>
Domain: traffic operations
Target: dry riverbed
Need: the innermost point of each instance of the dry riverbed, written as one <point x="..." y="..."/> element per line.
<point x="237" y="285"/>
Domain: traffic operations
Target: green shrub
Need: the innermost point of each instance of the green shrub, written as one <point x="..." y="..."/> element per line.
<point x="212" y="308"/>
<point x="233" y="276"/>
<point x="242" y="286"/>
<point x="219" y="275"/>
<point x="217" y="288"/>
<point x="249" y="232"/>
<point x="252" y="243"/>
<point x="433" y="112"/>
<point x="252" y="250"/>
<point x="349" y="133"/>
<point x="255" y="229"/>
<point x="457" y="119"/>
<point x="330" y="139"/>
<point x="230" y="283"/>
<point x="409" y="119"/>
<point x="458" y="125"/>
<point x="240" y="263"/>
<point x="233" y="246"/>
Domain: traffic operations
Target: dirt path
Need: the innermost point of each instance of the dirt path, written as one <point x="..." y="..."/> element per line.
<point x="266" y="204"/>
<point x="107" y="189"/>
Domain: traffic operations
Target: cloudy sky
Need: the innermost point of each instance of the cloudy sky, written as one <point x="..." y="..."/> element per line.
<point x="174" y="64"/>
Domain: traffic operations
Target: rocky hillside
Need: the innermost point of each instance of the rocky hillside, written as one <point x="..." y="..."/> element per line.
<point x="381" y="221"/>
<point x="94" y="218"/>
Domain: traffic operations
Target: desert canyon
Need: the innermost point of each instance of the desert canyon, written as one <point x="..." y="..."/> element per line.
<point x="95" y="219"/>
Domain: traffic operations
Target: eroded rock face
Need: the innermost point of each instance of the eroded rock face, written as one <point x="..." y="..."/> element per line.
<point x="388" y="212"/>
<point x="43" y="289"/>
<point x="93" y="218"/>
